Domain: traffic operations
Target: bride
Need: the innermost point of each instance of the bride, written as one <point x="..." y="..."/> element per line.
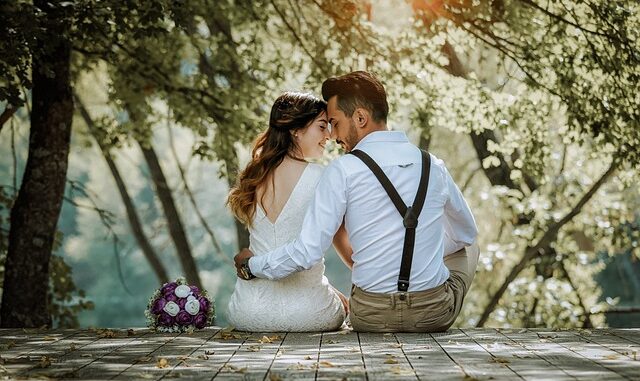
<point x="270" y="197"/>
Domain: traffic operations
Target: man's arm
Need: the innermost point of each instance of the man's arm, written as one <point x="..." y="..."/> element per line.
<point x="459" y="224"/>
<point x="343" y="246"/>
<point x="321" y="221"/>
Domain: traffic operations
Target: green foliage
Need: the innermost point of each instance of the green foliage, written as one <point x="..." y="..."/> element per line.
<point x="556" y="85"/>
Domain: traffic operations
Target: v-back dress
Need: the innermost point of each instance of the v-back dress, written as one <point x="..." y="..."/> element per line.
<point x="303" y="301"/>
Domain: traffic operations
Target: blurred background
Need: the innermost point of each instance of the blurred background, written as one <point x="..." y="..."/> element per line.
<point x="124" y="123"/>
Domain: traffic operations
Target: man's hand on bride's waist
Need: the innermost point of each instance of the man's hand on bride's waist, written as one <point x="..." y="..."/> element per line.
<point x="241" y="261"/>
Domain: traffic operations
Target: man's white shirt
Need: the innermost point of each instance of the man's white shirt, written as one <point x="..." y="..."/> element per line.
<point x="348" y="189"/>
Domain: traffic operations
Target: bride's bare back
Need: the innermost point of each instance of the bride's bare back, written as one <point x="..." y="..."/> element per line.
<point x="274" y="194"/>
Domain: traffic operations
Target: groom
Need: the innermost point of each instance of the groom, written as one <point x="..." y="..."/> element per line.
<point x="411" y="271"/>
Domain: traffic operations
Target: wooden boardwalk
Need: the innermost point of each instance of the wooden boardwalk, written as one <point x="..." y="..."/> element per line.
<point x="214" y="353"/>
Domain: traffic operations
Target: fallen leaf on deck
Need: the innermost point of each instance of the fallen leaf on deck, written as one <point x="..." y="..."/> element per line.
<point x="209" y="352"/>
<point x="227" y="335"/>
<point x="234" y="369"/>
<point x="330" y="341"/>
<point x="307" y="357"/>
<point x="390" y="361"/>
<point x="162" y="363"/>
<point x="254" y="348"/>
<point x="45" y="362"/>
<point x="402" y="371"/>
<point x="203" y="357"/>
<point x="86" y="355"/>
<point x="274" y="377"/>
<point x="344" y="332"/>
<point x="73" y="347"/>
<point x="500" y="360"/>
<point x="397" y="345"/>
<point x="327" y="364"/>
<point x="11" y="344"/>
<point x="106" y="333"/>
<point x="50" y="338"/>
<point x="611" y="357"/>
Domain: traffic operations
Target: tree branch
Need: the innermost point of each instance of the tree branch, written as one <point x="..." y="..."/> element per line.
<point x="543" y="244"/>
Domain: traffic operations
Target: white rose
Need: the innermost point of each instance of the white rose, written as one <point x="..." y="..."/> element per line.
<point x="191" y="297"/>
<point x="182" y="291"/>
<point x="171" y="308"/>
<point x="192" y="307"/>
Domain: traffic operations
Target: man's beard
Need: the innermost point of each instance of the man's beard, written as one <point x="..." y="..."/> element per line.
<point x="352" y="137"/>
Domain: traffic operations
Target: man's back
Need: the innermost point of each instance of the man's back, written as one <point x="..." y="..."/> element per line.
<point x="375" y="227"/>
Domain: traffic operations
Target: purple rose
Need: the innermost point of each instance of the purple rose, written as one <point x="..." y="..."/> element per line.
<point x="183" y="318"/>
<point x="158" y="306"/>
<point x="200" y="320"/>
<point x="165" y="320"/>
<point x="195" y="290"/>
<point x="204" y="304"/>
<point x="171" y="298"/>
<point x="168" y="288"/>
<point x="181" y="302"/>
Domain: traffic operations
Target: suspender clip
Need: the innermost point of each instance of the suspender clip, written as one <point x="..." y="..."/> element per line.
<point x="410" y="220"/>
<point x="403" y="285"/>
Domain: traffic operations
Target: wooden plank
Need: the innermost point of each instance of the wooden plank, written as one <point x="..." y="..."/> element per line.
<point x="607" y="339"/>
<point x="141" y="362"/>
<point x="214" y="355"/>
<point x="80" y="355"/>
<point x="196" y="364"/>
<point x="607" y="358"/>
<point x="254" y="357"/>
<point x="474" y="360"/>
<point x="543" y="344"/>
<point x="340" y="357"/>
<point x="427" y="358"/>
<point x="299" y="358"/>
<point x="117" y="359"/>
<point x="527" y="364"/>
<point x="42" y="347"/>
<point x="630" y="334"/>
<point x="383" y="357"/>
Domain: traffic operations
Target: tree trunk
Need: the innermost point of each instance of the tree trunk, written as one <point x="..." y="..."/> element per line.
<point x="241" y="231"/>
<point x="35" y="213"/>
<point x="176" y="229"/>
<point x="132" y="214"/>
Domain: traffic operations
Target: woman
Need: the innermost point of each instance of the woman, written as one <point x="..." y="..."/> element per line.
<point x="271" y="197"/>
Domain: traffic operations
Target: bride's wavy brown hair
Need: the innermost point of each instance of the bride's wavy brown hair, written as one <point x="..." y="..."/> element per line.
<point x="290" y="112"/>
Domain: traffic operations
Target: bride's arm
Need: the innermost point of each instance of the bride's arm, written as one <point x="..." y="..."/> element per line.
<point x="343" y="246"/>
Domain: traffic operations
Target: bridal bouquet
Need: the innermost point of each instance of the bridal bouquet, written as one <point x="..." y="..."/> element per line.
<point x="178" y="307"/>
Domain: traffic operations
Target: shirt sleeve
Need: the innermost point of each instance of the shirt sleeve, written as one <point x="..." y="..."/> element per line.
<point x="460" y="226"/>
<point x="321" y="221"/>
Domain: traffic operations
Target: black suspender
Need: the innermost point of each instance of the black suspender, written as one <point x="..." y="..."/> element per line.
<point x="410" y="214"/>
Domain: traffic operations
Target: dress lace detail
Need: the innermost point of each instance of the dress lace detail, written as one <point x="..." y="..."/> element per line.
<point x="303" y="301"/>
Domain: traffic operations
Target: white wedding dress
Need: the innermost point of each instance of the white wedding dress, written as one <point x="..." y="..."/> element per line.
<point x="303" y="301"/>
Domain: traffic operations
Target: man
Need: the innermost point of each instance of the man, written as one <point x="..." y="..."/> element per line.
<point x="410" y="268"/>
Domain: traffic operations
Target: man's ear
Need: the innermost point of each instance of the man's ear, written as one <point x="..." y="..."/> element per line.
<point x="361" y="117"/>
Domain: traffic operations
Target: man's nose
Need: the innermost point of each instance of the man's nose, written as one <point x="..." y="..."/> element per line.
<point x="333" y="133"/>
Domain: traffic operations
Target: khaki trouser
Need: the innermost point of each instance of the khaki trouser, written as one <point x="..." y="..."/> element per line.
<point x="432" y="310"/>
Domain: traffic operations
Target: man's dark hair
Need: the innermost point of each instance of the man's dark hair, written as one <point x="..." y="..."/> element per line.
<point x="358" y="89"/>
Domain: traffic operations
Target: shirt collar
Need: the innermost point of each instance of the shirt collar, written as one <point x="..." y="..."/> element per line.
<point x="383" y="137"/>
